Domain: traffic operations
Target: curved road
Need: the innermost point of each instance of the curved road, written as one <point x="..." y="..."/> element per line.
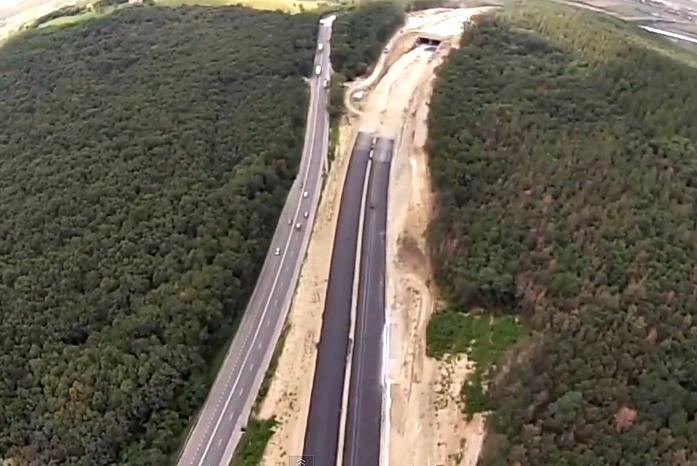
<point x="218" y="428"/>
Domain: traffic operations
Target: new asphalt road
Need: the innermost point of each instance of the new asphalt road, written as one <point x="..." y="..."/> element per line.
<point x="363" y="419"/>
<point x="218" y="428"/>
<point x="322" y="431"/>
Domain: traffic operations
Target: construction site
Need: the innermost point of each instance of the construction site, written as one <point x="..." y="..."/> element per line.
<point x="422" y="421"/>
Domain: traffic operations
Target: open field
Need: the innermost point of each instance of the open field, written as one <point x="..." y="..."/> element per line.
<point x="291" y="6"/>
<point x="677" y="15"/>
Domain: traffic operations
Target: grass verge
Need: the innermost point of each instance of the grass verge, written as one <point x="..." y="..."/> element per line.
<point x="253" y="442"/>
<point x="333" y="141"/>
<point x="273" y="364"/>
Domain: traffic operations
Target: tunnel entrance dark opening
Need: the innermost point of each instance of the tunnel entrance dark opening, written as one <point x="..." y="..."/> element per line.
<point x="422" y="40"/>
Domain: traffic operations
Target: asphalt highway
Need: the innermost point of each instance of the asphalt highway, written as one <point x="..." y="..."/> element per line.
<point x="324" y="417"/>
<point x="218" y="428"/>
<point x="363" y="419"/>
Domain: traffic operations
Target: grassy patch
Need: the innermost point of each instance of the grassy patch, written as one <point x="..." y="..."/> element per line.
<point x="485" y="337"/>
<point x="333" y="141"/>
<point x="336" y="110"/>
<point x="253" y="442"/>
<point x="474" y="395"/>
<point x="69" y="20"/>
<point x="273" y="364"/>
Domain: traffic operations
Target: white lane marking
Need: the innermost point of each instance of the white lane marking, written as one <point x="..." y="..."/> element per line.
<point x="363" y="323"/>
<point x="273" y="287"/>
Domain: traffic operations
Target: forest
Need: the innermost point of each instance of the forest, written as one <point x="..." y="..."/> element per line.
<point x="144" y="160"/>
<point x="358" y="36"/>
<point x="563" y="151"/>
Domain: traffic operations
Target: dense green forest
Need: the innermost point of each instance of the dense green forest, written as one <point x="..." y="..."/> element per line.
<point x="359" y="36"/>
<point x="144" y="159"/>
<point x="564" y="157"/>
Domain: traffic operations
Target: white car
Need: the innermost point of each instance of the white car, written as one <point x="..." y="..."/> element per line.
<point x="277" y="252"/>
<point x="298" y="226"/>
<point x="320" y="47"/>
<point x="306" y="214"/>
<point x="305" y="194"/>
<point x="318" y="70"/>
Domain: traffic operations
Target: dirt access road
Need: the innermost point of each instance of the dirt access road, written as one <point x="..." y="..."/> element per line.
<point x="425" y="425"/>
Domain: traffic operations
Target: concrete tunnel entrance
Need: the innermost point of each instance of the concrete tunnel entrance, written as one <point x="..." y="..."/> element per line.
<point x="428" y="40"/>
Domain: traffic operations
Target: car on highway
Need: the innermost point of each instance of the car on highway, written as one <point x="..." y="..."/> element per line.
<point x="326" y="83"/>
<point x="298" y="226"/>
<point x="306" y="214"/>
<point x="305" y="194"/>
<point x="320" y="47"/>
<point x="318" y="70"/>
<point x="277" y="252"/>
